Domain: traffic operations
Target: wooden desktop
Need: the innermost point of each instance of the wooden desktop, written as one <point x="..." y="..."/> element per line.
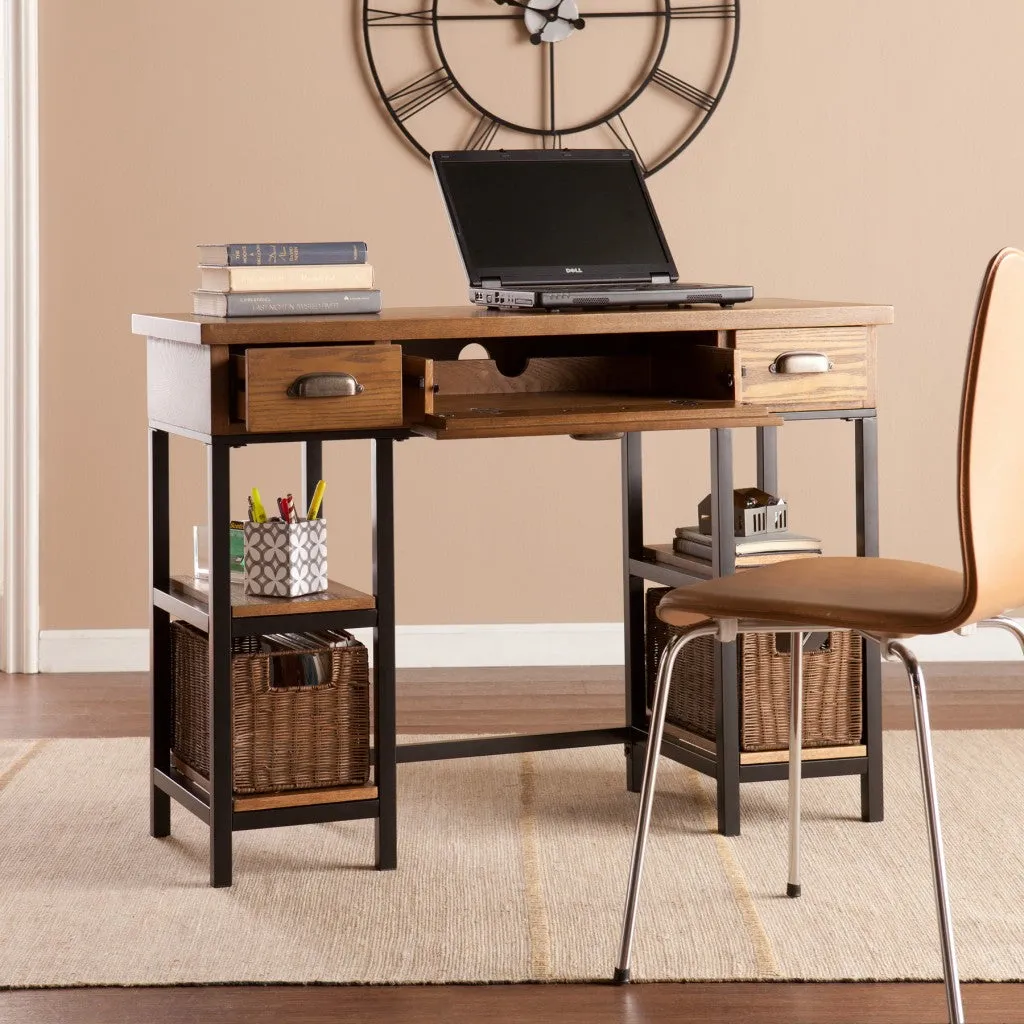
<point x="397" y="375"/>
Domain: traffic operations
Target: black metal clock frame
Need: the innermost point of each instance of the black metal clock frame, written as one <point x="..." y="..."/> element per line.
<point x="409" y="100"/>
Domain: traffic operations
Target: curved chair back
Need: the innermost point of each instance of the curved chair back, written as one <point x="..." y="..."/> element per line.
<point x="991" y="476"/>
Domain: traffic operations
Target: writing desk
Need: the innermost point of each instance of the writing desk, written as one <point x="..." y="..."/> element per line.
<point x="396" y="376"/>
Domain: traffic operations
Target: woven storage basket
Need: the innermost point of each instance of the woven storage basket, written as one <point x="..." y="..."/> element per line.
<point x="832" y="713"/>
<point x="283" y="738"/>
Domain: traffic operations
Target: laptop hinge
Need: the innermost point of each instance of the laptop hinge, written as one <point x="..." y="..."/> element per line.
<point x="490" y="282"/>
<point x="660" y="279"/>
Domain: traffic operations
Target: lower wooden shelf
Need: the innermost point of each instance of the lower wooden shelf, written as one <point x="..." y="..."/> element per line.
<point x="304" y="798"/>
<point x="707" y="746"/>
<point x="291" y="798"/>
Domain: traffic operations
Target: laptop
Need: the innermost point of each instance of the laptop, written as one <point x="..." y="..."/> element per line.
<point x="555" y="229"/>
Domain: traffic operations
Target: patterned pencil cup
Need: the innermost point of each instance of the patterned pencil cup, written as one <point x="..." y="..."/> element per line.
<point x="286" y="559"/>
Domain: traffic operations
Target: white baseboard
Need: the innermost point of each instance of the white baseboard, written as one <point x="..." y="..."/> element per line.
<point x="567" y="643"/>
<point x="94" y="650"/>
<point x="564" y="643"/>
<point x="983" y="645"/>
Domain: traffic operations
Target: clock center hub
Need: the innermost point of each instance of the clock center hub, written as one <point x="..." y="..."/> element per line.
<point x="551" y="21"/>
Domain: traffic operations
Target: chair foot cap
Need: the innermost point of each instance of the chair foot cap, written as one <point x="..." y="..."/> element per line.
<point x="792" y="890"/>
<point x="621" y="976"/>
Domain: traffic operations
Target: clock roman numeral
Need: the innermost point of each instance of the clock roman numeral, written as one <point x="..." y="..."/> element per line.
<point x="420" y="94"/>
<point x="483" y="133"/>
<point x="684" y="90"/>
<point x="381" y="18"/>
<point x="677" y="12"/>
<point x="703" y="11"/>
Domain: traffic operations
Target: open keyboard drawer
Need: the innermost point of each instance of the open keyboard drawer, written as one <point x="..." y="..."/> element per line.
<point x="578" y="395"/>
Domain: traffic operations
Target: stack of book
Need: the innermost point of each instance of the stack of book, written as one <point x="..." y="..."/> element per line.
<point x="758" y="549"/>
<point x="284" y="279"/>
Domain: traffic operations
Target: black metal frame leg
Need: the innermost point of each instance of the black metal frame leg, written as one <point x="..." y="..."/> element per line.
<point x="218" y="454"/>
<point x="633" y="613"/>
<point x="768" y="459"/>
<point x="161" y="696"/>
<point x="313" y="470"/>
<point x="384" y="740"/>
<point x="727" y="715"/>
<point x="872" y="797"/>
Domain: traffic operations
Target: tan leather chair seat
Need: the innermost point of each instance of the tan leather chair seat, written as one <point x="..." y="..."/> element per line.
<point x="882" y="596"/>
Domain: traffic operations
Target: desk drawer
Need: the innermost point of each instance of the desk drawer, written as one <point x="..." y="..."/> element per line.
<point x="808" y="368"/>
<point x="321" y="387"/>
<point x="679" y="387"/>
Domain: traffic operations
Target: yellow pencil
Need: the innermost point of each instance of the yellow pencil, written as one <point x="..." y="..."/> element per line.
<point x="318" y="496"/>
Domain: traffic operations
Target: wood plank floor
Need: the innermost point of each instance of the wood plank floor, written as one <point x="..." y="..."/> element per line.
<point x="963" y="696"/>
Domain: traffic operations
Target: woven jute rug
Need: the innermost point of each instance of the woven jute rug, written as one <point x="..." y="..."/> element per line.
<point x="510" y="869"/>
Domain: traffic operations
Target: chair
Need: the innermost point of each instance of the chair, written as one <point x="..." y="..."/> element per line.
<point x="884" y="600"/>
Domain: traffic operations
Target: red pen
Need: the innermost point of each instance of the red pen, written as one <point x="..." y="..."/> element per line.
<point x="282" y="509"/>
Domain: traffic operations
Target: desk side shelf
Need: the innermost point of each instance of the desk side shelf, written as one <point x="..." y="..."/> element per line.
<point x="292" y="807"/>
<point x="285" y="798"/>
<point x="339" y="606"/>
<point x="188" y="599"/>
<point x="661" y="564"/>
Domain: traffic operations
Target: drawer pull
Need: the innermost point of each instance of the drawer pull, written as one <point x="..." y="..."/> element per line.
<point x="324" y="385"/>
<point x="801" y="362"/>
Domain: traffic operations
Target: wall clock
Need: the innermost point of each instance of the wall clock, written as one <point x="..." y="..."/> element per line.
<point x="645" y="75"/>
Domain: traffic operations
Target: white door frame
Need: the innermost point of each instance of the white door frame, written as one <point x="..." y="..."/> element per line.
<point x="19" y="369"/>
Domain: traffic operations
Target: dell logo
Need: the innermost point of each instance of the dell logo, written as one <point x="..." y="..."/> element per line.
<point x="574" y="270"/>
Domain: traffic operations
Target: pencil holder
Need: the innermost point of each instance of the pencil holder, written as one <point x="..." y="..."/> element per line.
<point x="286" y="559"/>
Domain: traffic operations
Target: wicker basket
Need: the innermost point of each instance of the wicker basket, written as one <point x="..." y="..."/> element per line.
<point x="832" y="714"/>
<point x="283" y="738"/>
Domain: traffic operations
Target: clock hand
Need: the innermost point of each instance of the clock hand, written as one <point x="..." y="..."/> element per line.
<point x="550" y="13"/>
<point x="576" y="22"/>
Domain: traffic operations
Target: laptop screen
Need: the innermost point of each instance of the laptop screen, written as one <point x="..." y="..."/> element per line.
<point x="552" y="217"/>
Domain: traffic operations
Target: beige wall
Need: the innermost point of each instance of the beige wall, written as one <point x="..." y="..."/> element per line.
<point x="865" y="150"/>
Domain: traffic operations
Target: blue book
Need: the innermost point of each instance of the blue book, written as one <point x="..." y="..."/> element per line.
<point x="278" y="254"/>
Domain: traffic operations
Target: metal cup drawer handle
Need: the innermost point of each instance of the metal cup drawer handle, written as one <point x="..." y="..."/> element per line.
<point x="324" y="385"/>
<point x="801" y="362"/>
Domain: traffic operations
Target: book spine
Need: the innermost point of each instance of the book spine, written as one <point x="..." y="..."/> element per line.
<point x="691" y="550"/>
<point x="275" y="254"/>
<point x="303" y="303"/>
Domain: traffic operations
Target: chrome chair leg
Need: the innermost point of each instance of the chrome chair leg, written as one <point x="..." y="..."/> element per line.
<point x="954" y="1003"/>
<point x="643" y="822"/>
<point x="796" y="736"/>
<point x="1010" y="625"/>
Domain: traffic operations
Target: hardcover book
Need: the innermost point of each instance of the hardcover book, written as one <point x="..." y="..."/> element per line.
<point x="684" y="560"/>
<point x="318" y="277"/>
<point x="263" y="254"/>
<point x="703" y="554"/>
<point x="365" y="300"/>
<point x="780" y="540"/>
